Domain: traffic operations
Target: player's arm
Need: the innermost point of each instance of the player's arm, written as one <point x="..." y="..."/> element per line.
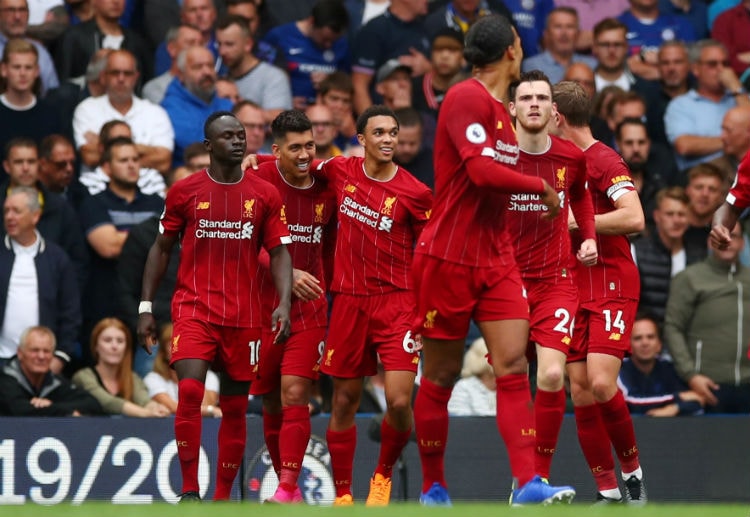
<point x="156" y="265"/>
<point x="583" y="211"/>
<point x="724" y="220"/>
<point x="423" y="209"/>
<point x="281" y="271"/>
<point x="626" y="218"/>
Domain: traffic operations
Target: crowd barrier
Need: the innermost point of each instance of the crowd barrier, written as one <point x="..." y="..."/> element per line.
<point x="133" y="461"/>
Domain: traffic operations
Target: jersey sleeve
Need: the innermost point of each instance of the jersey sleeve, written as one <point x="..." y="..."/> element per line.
<point x="172" y="219"/>
<point x="422" y="211"/>
<point x="275" y="232"/>
<point x="580" y="201"/>
<point x="616" y="181"/>
<point x="739" y="194"/>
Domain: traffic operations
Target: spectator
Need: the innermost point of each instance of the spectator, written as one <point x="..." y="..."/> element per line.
<point x="191" y="98"/>
<point x="694" y="12"/>
<point x="459" y="15"/>
<point x="106" y="218"/>
<point x="150" y="181"/>
<point x="337" y="92"/>
<point x="226" y="88"/>
<point x="14" y="21"/>
<point x="30" y="387"/>
<point x="663" y="253"/>
<point x="257" y="81"/>
<point x="446" y="57"/>
<point x="111" y="380"/>
<point x="634" y="146"/>
<point x="706" y="189"/>
<point x="152" y="130"/>
<point x="560" y="36"/>
<point x="22" y="112"/>
<point x="707" y="330"/>
<point x="162" y="380"/>
<point x="178" y="39"/>
<point x="412" y="151"/>
<point x="590" y="14"/>
<point x="313" y="48"/>
<point x="362" y="11"/>
<point x="393" y="84"/>
<point x="57" y="169"/>
<point x="104" y="30"/>
<point x="38" y="280"/>
<point x="732" y="28"/>
<point x="196" y="157"/>
<point x="200" y="14"/>
<point x="648" y="29"/>
<point x="58" y="222"/>
<point x="735" y="140"/>
<point x="399" y="34"/>
<point x="324" y="131"/>
<point x="474" y="393"/>
<point x="673" y="66"/>
<point x="253" y="119"/>
<point x="650" y="383"/>
<point x="611" y="53"/>
<point x="693" y="120"/>
<point x="582" y="74"/>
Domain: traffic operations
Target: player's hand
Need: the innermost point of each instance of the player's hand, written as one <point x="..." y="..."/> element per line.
<point x="281" y="324"/>
<point x="551" y="200"/>
<point x="305" y="286"/>
<point x="147" y="331"/>
<point x="250" y="161"/>
<point x="588" y="254"/>
<point x="705" y="388"/>
<point x="720" y="237"/>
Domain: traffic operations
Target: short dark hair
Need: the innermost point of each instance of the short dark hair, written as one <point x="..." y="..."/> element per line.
<point x="50" y="141"/>
<point x="289" y="121"/>
<point x="20" y="141"/>
<point x="488" y="39"/>
<point x="338" y="80"/>
<point x="193" y="150"/>
<point x="572" y="102"/>
<point x="527" y="77"/>
<point x="674" y="192"/>
<point x="228" y="20"/>
<point x="118" y="141"/>
<point x="213" y="117"/>
<point x="629" y="121"/>
<point x="376" y="110"/>
<point x="106" y="129"/>
<point x="609" y="24"/>
<point x="331" y="14"/>
<point x="408" y="117"/>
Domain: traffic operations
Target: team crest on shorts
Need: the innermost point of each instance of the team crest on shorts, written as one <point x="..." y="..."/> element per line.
<point x="315" y="478"/>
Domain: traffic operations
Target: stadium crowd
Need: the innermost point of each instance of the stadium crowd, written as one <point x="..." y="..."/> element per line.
<point x="102" y="110"/>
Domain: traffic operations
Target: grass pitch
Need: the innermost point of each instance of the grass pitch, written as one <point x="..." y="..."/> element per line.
<point x="395" y="510"/>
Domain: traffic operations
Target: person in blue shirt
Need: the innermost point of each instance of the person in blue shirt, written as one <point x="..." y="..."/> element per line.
<point x="312" y="48"/>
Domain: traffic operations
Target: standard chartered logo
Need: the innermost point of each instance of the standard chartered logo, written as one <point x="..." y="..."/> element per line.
<point x="364" y="214"/>
<point x="208" y="229"/>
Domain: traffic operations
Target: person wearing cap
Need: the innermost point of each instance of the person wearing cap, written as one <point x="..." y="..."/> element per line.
<point x="393" y="84"/>
<point x="560" y="36"/>
<point x="447" y="60"/>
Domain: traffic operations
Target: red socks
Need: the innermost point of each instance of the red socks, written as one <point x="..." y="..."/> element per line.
<point x="592" y="435"/>
<point x="549" y="409"/>
<point x="515" y="421"/>
<point x="619" y="425"/>
<point x="271" y="430"/>
<point x="431" y="424"/>
<point x="341" y="445"/>
<point x="187" y="431"/>
<point x="392" y="442"/>
<point x="232" y="436"/>
<point x="293" y="438"/>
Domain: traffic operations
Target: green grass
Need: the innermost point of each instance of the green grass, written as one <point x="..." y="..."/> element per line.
<point x="395" y="510"/>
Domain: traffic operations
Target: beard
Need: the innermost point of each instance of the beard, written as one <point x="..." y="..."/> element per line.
<point x="636" y="164"/>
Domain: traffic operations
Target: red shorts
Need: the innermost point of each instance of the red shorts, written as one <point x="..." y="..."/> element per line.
<point x="603" y="326"/>
<point x="553" y="307"/>
<point x="364" y="327"/>
<point x="451" y="295"/>
<point x="232" y="350"/>
<point x="299" y="355"/>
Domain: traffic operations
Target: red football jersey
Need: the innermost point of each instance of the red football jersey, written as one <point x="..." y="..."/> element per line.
<point x="543" y="247"/>
<point x="467" y="225"/>
<point x="378" y="224"/>
<point x="307" y="212"/>
<point x="739" y="194"/>
<point x="615" y="275"/>
<point x="222" y="228"/>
